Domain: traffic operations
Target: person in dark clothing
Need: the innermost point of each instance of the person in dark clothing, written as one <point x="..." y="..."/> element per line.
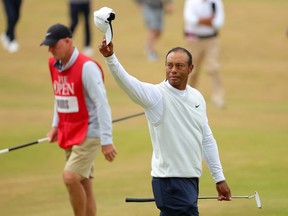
<point x="77" y="7"/>
<point x="12" y="12"/>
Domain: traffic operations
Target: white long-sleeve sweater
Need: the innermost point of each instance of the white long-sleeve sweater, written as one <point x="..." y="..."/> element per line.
<point x="178" y="126"/>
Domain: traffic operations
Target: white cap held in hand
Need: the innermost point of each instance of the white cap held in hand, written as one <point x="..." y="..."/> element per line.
<point x="102" y="19"/>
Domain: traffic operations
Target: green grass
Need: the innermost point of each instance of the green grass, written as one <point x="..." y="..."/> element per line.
<point x="252" y="133"/>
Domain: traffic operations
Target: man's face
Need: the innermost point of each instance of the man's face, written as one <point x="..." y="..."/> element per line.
<point x="177" y="69"/>
<point x="60" y="49"/>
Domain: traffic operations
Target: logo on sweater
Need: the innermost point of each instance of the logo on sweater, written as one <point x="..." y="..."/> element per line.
<point x="63" y="87"/>
<point x="196" y="106"/>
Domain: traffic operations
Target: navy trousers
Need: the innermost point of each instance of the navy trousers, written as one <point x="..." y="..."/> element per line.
<point x="176" y="196"/>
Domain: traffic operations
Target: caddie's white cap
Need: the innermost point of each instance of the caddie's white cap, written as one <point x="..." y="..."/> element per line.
<point x="102" y="19"/>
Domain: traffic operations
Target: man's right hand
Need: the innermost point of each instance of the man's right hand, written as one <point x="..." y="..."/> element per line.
<point x="224" y="192"/>
<point x="106" y="50"/>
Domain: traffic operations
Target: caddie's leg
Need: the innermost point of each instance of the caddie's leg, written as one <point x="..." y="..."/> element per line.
<point x="76" y="192"/>
<point x="80" y="159"/>
<point x="91" y="203"/>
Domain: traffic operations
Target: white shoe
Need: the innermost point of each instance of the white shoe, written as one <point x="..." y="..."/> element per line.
<point x="88" y="51"/>
<point x="219" y="104"/>
<point x="4" y="40"/>
<point x="152" y="56"/>
<point x="13" y="46"/>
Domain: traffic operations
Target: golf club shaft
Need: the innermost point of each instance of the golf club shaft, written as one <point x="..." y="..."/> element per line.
<point x="46" y="138"/>
<point x="215" y="197"/>
<point x="152" y="199"/>
<point x="140" y="200"/>
<point x="24" y="145"/>
<point x="127" y="117"/>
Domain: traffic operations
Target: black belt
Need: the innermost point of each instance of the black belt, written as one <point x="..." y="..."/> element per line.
<point x="187" y="34"/>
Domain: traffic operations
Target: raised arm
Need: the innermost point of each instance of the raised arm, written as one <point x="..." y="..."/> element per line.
<point x="144" y="94"/>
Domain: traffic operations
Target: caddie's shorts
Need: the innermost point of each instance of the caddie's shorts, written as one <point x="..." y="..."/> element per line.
<point x="80" y="158"/>
<point x="176" y="196"/>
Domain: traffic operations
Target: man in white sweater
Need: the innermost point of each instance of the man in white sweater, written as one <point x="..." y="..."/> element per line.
<point x="179" y="130"/>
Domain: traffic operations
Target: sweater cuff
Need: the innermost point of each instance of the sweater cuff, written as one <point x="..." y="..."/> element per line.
<point x="219" y="177"/>
<point x="110" y="59"/>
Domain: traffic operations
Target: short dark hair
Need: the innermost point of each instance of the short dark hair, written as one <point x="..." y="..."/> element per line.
<point x="181" y="49"/>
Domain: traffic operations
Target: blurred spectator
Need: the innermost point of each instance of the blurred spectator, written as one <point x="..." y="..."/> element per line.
<point x="12" y="12"/>
<point x="77" y="7"/>
<point x="153" y="14"/>
<point x="202" y="21"/>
